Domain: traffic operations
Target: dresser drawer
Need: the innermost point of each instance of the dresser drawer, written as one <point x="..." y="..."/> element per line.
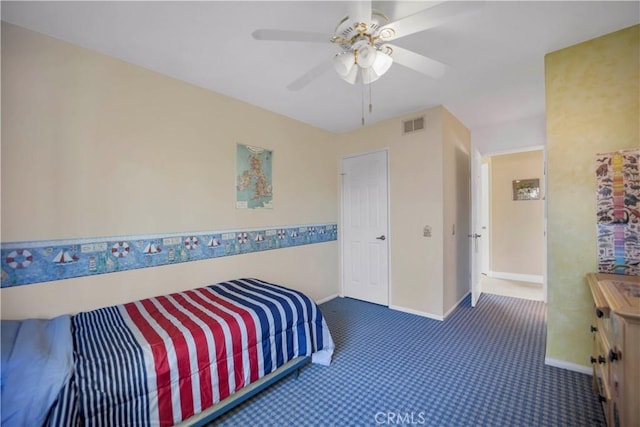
<point x="600" y="363"/>
<point x="616" y="346"/>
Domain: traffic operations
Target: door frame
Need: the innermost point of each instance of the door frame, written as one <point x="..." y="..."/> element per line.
<point x="475" y="228"/>
<point x="485" y="216"/>
<point x="342" y="221"/>
<point x="544" y="207"/>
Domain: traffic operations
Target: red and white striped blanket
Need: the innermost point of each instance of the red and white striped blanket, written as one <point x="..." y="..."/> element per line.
<point x="158" y="361"/>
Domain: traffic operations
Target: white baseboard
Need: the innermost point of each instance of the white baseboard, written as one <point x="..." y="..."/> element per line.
<point x="568" y="365"/>
<point x="516" y="276"/>
<point x="456" y="305"/>
<point x="329" y="298"/>
<point x="416" y="312"/>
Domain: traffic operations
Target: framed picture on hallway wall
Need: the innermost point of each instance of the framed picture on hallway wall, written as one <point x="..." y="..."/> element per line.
<point x="526" y="189"/>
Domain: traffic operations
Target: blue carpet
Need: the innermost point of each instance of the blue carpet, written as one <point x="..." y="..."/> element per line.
<point x="483" y="366"/>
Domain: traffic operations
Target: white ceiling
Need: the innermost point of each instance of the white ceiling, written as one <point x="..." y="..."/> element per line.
<point x="495" y="56"/>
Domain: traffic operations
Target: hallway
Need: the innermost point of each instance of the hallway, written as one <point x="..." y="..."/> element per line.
<point x="512" y="288"/>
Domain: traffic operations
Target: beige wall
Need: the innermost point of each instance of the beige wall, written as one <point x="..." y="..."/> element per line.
<point x="107" y="148"/>
<point x="457" y="210"/>
<point x="419" y="165"/>
<point x="415" y="194"/>
<point x="516" y="226"/>
<point x="93" y="146"/>
<point x="312" y="269"/>
<point x="592" y="100"/>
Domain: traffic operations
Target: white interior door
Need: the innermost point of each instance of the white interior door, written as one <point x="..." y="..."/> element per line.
<point x="476" y="227"/>
<point x="365" y="239"/>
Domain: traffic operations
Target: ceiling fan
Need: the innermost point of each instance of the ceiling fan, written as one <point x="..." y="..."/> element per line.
<point x="364" y="35"/>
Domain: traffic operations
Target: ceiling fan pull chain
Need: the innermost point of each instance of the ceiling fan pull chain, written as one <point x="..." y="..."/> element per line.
<point x="362" y="100"/>
<point x="370" y="102"/>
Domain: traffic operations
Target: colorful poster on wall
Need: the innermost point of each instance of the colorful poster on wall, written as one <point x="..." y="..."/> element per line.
<point x="254" y="186"/>
<point x="618" y="212"/>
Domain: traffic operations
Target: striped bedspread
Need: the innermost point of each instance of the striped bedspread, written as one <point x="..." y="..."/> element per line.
<point x="161" y="360"/>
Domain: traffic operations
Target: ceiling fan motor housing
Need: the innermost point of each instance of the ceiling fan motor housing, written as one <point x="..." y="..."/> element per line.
<point x="352" y="32"/>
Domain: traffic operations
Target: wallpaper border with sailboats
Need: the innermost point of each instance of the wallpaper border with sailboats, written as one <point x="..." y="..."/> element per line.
<point x="25" y="263"/>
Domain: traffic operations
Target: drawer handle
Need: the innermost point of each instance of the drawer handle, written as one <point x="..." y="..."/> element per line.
<point x="594" y="329"/>
<point x="613" y="356"/>
<point x="599" y="313"/>
<point x="602" y="360"/>
<point x="601" y="398"/>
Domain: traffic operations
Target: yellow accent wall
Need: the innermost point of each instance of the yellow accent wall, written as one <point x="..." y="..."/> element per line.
<point x="592" y="102"/>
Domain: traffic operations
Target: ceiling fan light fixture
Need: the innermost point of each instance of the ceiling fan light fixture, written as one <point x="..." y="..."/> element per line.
<point x="352" y="76"/>
<point x="366" y="56"/>
<point x="382" y="63"/>
<point x="369" y="75"/>
<point x="343" y="63"/>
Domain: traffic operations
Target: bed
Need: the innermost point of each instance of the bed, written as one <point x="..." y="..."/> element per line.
<point x="182" y="358"/>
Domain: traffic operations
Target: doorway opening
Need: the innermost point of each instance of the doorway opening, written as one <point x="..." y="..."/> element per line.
<point x="513" y="224"/>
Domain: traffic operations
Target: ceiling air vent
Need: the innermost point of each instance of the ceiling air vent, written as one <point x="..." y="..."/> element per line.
<point x="413" y="125"/>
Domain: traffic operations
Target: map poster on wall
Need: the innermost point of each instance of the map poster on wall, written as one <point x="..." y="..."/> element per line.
<point x="254" y="188"/>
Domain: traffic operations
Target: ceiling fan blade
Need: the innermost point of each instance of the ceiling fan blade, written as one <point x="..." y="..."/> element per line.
<point x="359" y="11"/>
<point x="417" y="62"/>
<point x="428" y="18"/>
<point x="290" y="36"/>
<point x="310" y="75"/>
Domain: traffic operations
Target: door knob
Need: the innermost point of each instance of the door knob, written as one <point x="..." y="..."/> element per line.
<point x="381" y="237"/>
<point x="475" y="237"/>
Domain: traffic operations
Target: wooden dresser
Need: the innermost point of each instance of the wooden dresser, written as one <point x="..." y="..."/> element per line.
<point x="616" y="346"/>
